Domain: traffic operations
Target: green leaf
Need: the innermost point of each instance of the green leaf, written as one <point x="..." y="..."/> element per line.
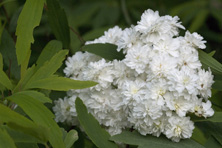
<point x="60" y="84"/>
<point x="58" y="22"/>
<point x="25" y="63"/>
<point x="208" y="61"/>
<point x="7" y="48"/>
<point x="40" y="115"/>
<point x="28" y="19"/>
<point x="20" y="123"/>
<point x="47" y="70"/>
<point x="70" y="138"/>
<point x="214" y="129"/>
<point x="134" y="138"/>
<point x="2" y="26"/>
<point x="199" y="20"/>
<point x="212" y="143"/>
<point x="26" y="145"/>
<point x="50" y="67"/>
<point x="5" y="140"/>
<point x="36" y="95"/>
<point x="198" y="136"/>
<point x="217" y="117"/>
<point x="1" y="62"/>
<point x="20" y="137"/>
<point x="92" y="128"/>
<point x="212" y="53"/>
<point x="4" y="80"/>
<point x="24" y="80"/>
<point x="185" y="6"/>
<point x="48" y="52"/>
<point x="106" y="51"/>
<point x="216" y="14"/>
<point x="217" y="85"/>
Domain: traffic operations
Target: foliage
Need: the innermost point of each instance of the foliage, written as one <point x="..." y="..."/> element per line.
<point x="33" y="34"/>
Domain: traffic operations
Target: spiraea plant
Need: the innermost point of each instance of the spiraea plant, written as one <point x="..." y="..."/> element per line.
<point x="151" y="84"/>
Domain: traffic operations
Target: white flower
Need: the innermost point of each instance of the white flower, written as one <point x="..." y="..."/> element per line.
<point x="152" y="89"/>
<point x="195" y="40"/>
<point x="157" y="91"/>
<point x="128" y="39"/>
<point x="189" y="61"/>
<point x="147" y="109"/>
<point x="133" y="90"/>
<point x="76" y="63"/>
<point x="178" y="104"/>
<point x="183" y="80"/>
<point x="65" y="110"/>
<point x="205" y="82"/>
<point x="148" y="18"/>
<point x="207" y="110"/>
<point x="137" y="58"/>
<point x="179" y="128"/>
<point x="122" y="73"/>
<point x="162" y="65"/>
<point x="110" y="36"/>
<point x="167" y="46"/>
<point x="173" y="23"/>
<point x="101" y="72"/>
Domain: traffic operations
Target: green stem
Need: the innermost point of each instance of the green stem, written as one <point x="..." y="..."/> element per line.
<point x="125" y="12"/>
<point x="78" y="35"/>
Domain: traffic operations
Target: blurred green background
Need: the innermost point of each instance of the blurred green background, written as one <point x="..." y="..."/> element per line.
<point x="90" y="18"/>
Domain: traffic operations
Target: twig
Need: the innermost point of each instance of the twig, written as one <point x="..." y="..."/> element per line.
<point x="6" y="14"/>
<point x="78" y="35"/>
<point x="125" y="12"/>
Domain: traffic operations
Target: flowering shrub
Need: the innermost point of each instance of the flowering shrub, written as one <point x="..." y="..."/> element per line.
<point x="153" y="89"/>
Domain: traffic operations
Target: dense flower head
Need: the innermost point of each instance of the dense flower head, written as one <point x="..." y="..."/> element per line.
<point x="152" y="89"/>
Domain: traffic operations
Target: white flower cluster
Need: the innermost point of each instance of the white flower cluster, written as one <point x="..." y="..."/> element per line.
<point x="152" y="89"/>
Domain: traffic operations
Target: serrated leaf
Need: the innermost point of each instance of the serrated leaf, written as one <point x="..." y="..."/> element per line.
<point x="20" y="123"/>
<point x="28" y="19"/>
<point x="134" y="138"/>
<point x="5" y="140"/>
<point x="40" y="115"/>
<point x="70" y="138"/>
<point x="48" y="52"/>
<point x="106" y="51"/>
<point x="58" y="21"/>
<point x="4" y="80"/>
<point x="48" y="69"/>
<point x="51" y="66"/>
<point x="92" y="128"/>
<point x="208" y="61"/>
<point x="25" y="63"/>
<point x="7" y="48"/>
<point x="60" y="84"/>
<point x="217" y="117"/>
<point x="36" y="95"/>
<point x="24" y="80"/>
<point x="199" y="20"/>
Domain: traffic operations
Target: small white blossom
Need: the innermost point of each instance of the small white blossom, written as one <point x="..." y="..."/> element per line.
<point x="152" y="89"/>
<point x="179" y="128"/>
<point x="195" y="40"/>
